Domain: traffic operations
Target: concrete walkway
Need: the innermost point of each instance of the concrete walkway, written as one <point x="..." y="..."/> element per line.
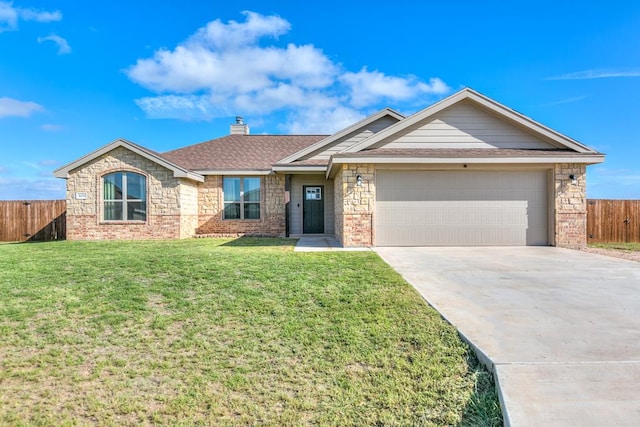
<point x="322" y="244"/>
<point x="560" y="328"/>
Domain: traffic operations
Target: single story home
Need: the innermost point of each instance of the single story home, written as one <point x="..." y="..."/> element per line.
<point x="463" y="171"/>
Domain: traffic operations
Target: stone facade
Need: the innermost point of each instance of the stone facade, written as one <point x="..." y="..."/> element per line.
<point x="181" y="208"/>
<point x="171" y="202"/>
<point x="176" y="207"/>
<point x="355" y="205"/>
<point x="570" y="205"/>
<point x="338" y="215"/>
<point x="188" y="193"/>
<point x="272" y="209"/>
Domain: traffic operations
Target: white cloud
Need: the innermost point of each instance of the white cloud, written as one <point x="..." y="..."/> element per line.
<point x="321" y="121"/>
<point x="225" y="69"/>
<point x="48" y="162"/>
<point x="194" y="67"/>
<point x="13" y="107"/>
<point x="606" y="183"/>
<point x="182" y="107"/>
<point x="31" y="165"/>
<point x="40" y="16"/>
<point x="10" y="15"/>
<point x="234" y="34"/>
<point x="49" y="127"/>
<point x="63" y="45"/>
<point x="31" y="189"/>
<point x="368" y="86"/>
<point x="595" y="74"/>
<point x="564" y="101"/>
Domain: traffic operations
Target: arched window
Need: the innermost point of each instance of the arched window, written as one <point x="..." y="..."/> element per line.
<point x="125" y="196"/>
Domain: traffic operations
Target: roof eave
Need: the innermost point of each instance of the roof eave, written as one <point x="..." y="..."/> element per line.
<point x="299" y="168"/>
<point x="248" y="172"/>
<point x="588" y="159"/>
<point x="178" y="171"/>
<point x="578" y="158"/>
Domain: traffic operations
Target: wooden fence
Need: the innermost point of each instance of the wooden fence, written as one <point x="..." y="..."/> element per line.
<point x="33" y="220"/>
<point x="611" y="221"/>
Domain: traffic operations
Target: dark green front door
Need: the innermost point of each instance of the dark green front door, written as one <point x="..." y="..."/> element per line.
<point x="313" y="209"/>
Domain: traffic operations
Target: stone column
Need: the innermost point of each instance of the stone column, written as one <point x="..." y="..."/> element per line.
<point x="570" y="205"/>
<point x="355" y="205"/>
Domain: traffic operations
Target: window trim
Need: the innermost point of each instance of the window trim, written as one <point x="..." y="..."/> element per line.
<point x="124" y="200"/>
<point x="242" y="202"/>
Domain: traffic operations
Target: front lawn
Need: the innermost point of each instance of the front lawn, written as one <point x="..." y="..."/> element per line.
<point x="621" y="246"/>
<point x="225" y="332"/>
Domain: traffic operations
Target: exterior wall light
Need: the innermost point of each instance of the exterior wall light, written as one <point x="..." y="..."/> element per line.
<point x="573" y="179"/>
<point x="359" y="181"/>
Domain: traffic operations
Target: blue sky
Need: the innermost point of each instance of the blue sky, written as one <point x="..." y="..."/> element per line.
<point x="76" y="75"/>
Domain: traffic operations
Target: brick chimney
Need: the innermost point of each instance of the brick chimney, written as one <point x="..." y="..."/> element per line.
<point x="239" y="127"/>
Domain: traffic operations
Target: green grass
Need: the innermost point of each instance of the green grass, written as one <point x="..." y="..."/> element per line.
<point x="225" y="332"/>
<point x="634" y="246"/>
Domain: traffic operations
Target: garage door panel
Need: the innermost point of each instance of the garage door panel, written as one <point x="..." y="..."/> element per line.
<point x="429" y="208"/>
<point x="461" y="194"/>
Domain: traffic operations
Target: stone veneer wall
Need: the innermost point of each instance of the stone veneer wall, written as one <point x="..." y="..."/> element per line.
<point x="355" y="205"/>
<point x="570" y="205"/>
<point x="338" y="203"/>
<point x="272" y="209"/>
<point x="166" y="195"/>
<point x="354" y="221"/>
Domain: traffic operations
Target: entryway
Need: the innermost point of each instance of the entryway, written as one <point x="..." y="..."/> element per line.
<point x="313" y="209"/>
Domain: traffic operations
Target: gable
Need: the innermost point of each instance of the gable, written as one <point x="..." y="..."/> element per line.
<point x="324" y="153"/>
<point x="481" y="109"/>
<point x="155" y="158"/>
<point x="345" y="138"/>
<point x="465" y="125"/>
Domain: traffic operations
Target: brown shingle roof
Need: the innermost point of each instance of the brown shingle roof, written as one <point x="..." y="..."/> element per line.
<point x="240" y="152"/>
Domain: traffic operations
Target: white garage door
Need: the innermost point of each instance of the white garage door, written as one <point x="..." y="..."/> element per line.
<point x="461" y="208"/>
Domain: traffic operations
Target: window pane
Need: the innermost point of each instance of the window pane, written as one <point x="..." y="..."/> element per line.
<point x="232" y="211"/>
<point x="113" y="211"/>
<point x="136" y="211"/>
<point x="252" y="211"/>
<point x="252" y="189"/>
<point x="231" y="188"/>
<point x="136" y="186"/>
<point x="113" y="186"/>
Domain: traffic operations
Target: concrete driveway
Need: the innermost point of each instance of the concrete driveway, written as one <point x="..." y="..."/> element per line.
<point x="560" y="328"/>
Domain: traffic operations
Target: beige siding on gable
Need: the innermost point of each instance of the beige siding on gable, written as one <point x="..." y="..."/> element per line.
<point x="342" y="144"/>
<point x="465" y="126"/>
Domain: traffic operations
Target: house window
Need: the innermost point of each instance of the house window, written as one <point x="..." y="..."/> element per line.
<point x="241" y="198"/>
<point x="125" y="196"/>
